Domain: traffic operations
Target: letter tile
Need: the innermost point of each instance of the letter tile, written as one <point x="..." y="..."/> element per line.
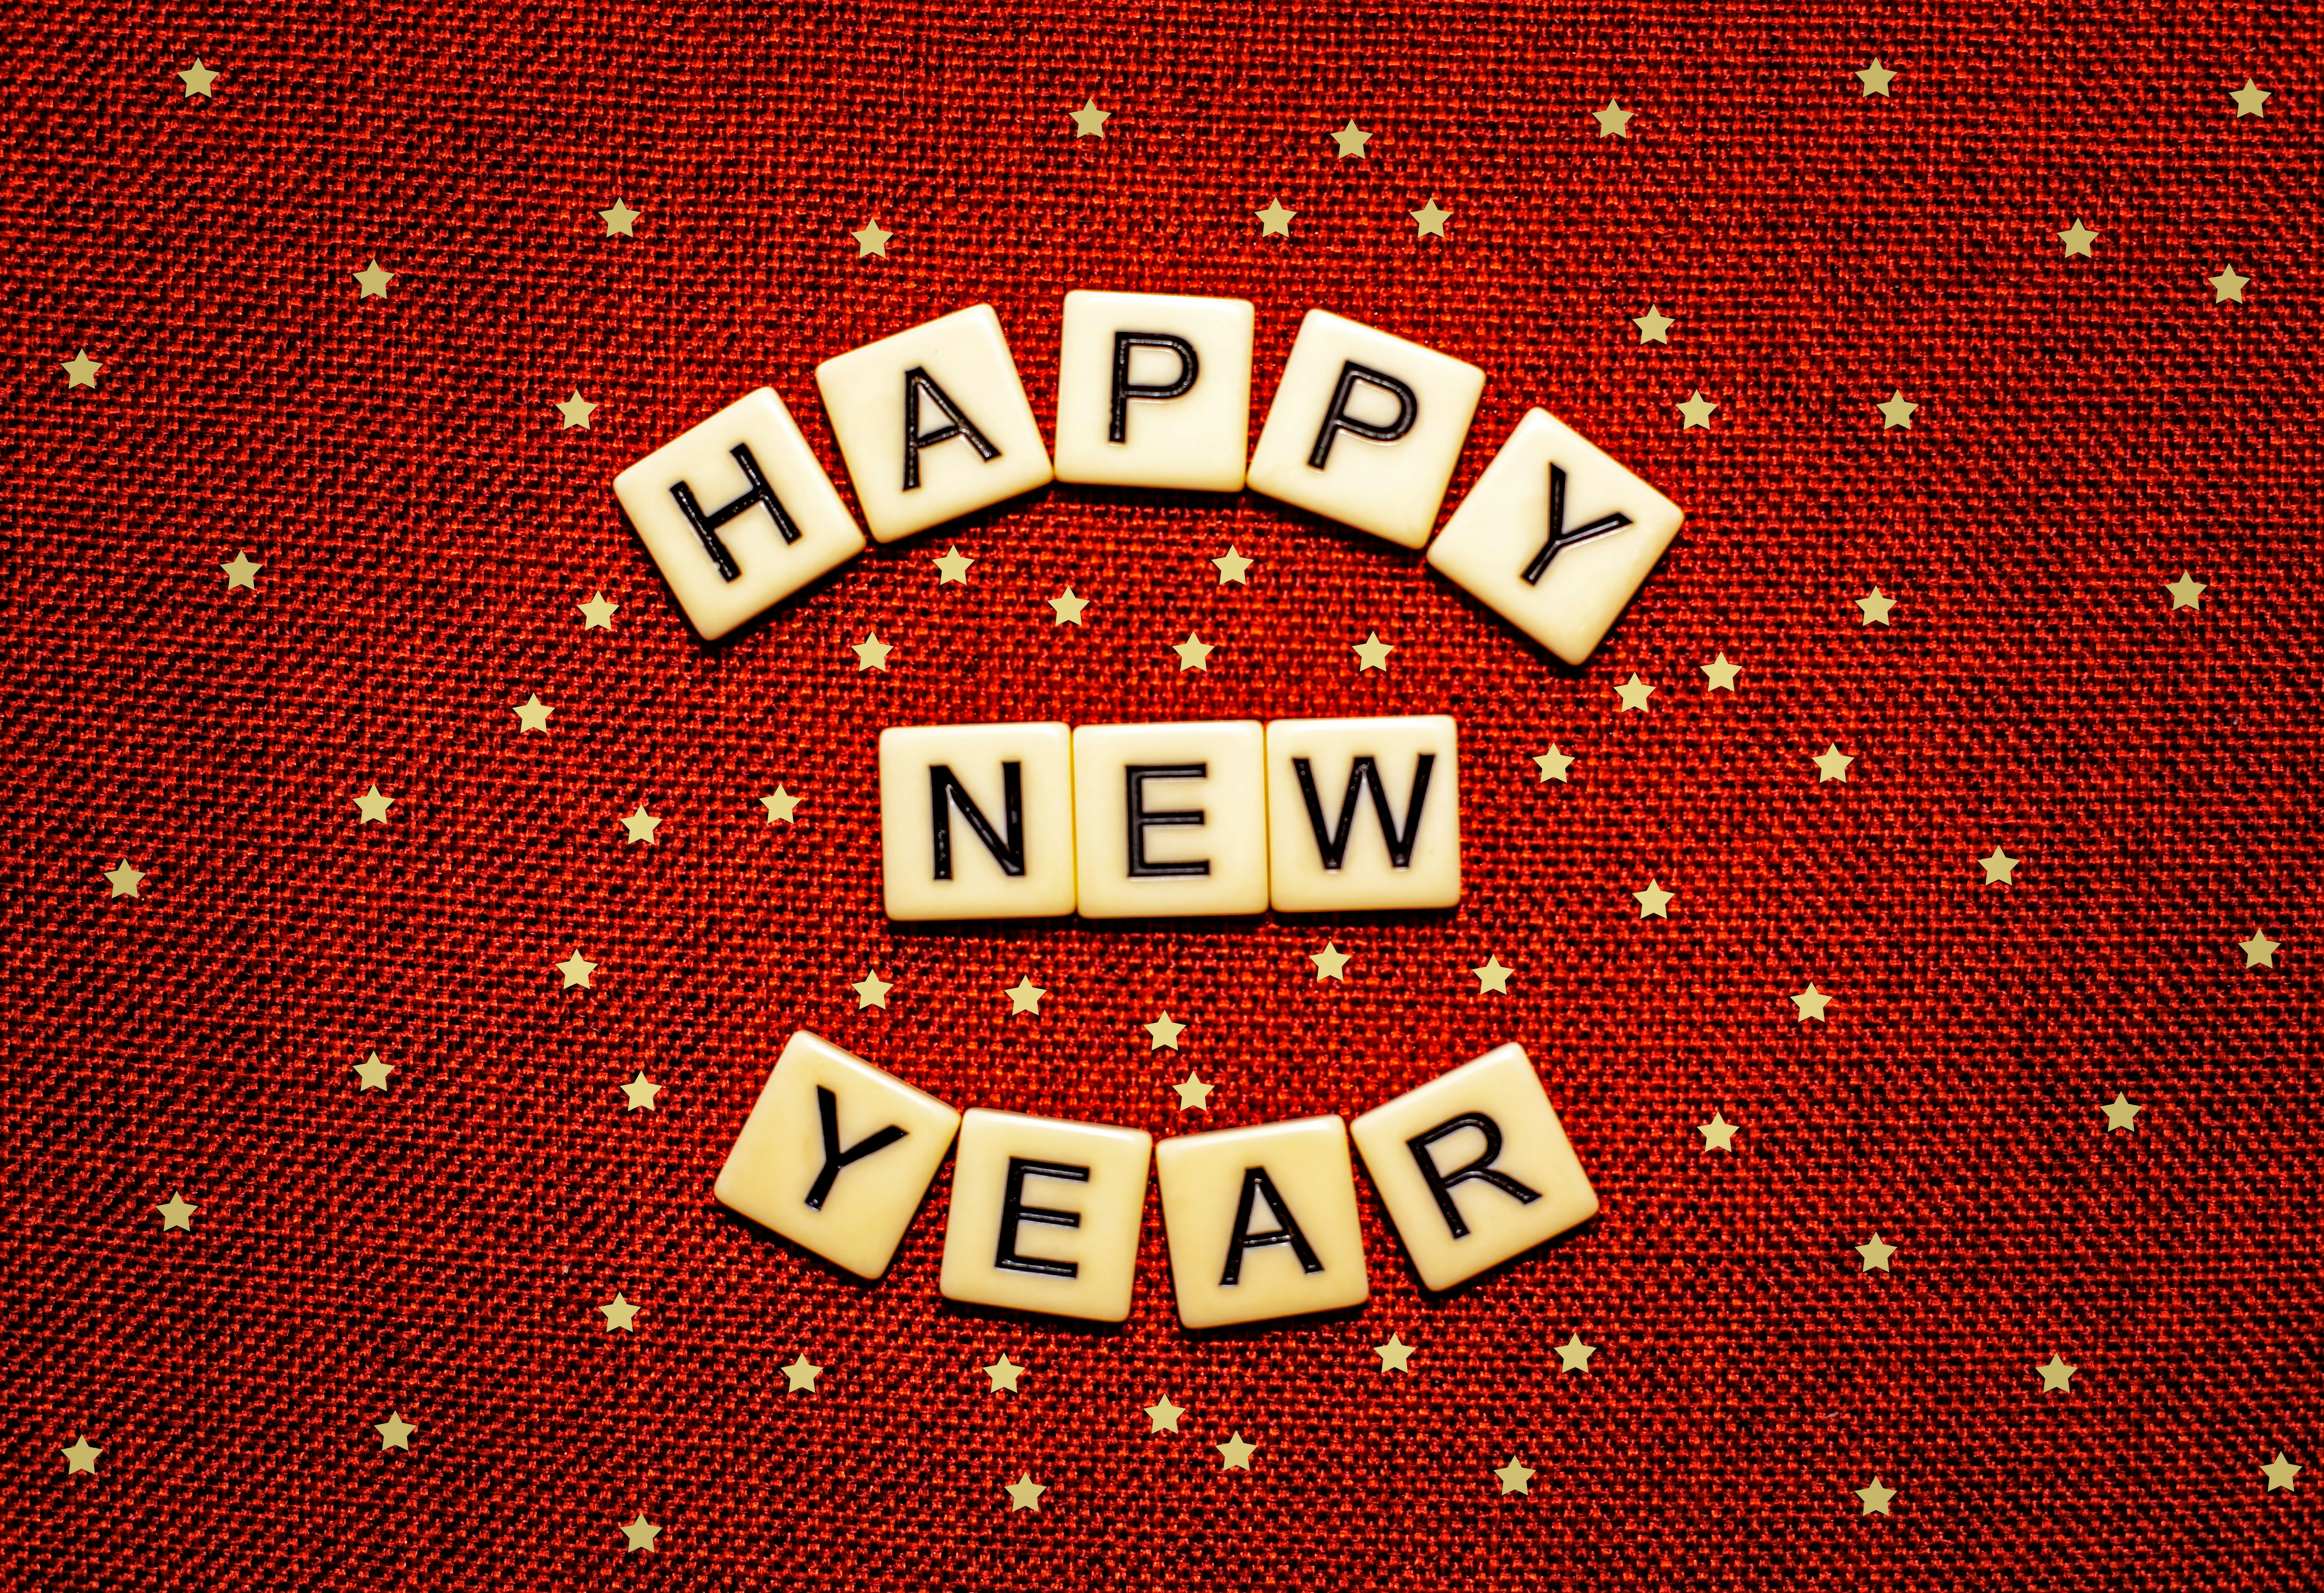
<point x="976" y="821"/>
<point x="1170" y="820"/>
<point x="1262" y="1221"/>
<point x="1153" y="390"/>
<point x="1366" y="427"/>
<point x="1473" y="1167"/>
<point x="738" y="513"/>
<point x="1555" y="537"/>
<point x="1363" y="813"/>
<point x="933" y="422"/>
<point x="1045" y="1215"/>
<point x="837" y="1155"/>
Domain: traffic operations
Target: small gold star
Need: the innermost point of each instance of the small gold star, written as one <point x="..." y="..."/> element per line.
<point x="640" y="1093"/>
<point x="1004" y="1374"/>
<point x="576" y="969"/>
<point x="1089" y="122"/>
<point x="1897" y="411"/>
<point x="2057" y="1376"/>
<point x="640" y="826"/>
<point x="1025" y="1494"/>
<point x="1721" y="673"/>
<point x="1999" y="867"/>
<point x="871" y="238"/>
<point x="1875" y="78"/>
<point x="1573" y="1355"/>
<point x="1492" y="977"/>
<point x="2251" y="99"/>
<point x="1430" y="219"/>
<point x="1235" y="1454"/>
<point x="241" y="573"/>
<point x="370" y="282"/>
<point x="1164" y="1414"/>
<point x="639" y="1534"/>
<point x="1350" y="139"/>
<point x="1553" y="765"/>
<point x="2186" y="592"/>
<point x="1069" y="608"/>
<point x="1876" y="1498"/>
<point x="1811" y="1003"/>
<point x="1194" y="653"/>
<point x="198" y="77"/>
<point x="1613" y="122"/>
<point x="800" y="1375"/>
<point x="1516" y="1478"/>
<point x="1696" y="411"/>
<point x="2228" y="287"/>
<point x="372" y="804"/>
<point x="1234" y="569"/>
<point x="1653" y="327"/>
<point x="2280" y="1473"/>
<point x="870" y="653"/>
<point x="395" y="1432"/>
<point x="1718" y="1134"/>
<point x="2121" y="1113"/>
<point x="620" y="220"/>
<point x="178" y="1214"/>
<point x="2259" y="952"/>
<point x="124" y="879"/>
<point x="1162" y="1034"/>
<point x="2078" y="239"/>
<point x="1654" y="901"/>
<point x="1275" y="221"/>
<point x="532" y="715"/>
<point x="1634" y="693"/>
<point x="1876" y="1254"/>
<point x="872" y="991"/>
<point x="81" y="1456"/>
<point x="576" y="411"/>
<point x="371" y="1073"/>
<point x="597" y="613"/>
<point x="781" y="806"/>
<point x="1876" y="606"/>
<point x="1193" y="1095"/>
<point x="1395" y="1356"/>
<point x="620" y="1316"/>
<point x="1372" y="653"/>
<point x="1831" y="764"/>
<point x="1331" y="962"/>
<point x="1025" y="996"/>
<point x="951" y="569"/>
<point x="81" y="371"/>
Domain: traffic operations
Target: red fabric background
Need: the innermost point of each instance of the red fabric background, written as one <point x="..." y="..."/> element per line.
<point x="2089" y="429"/>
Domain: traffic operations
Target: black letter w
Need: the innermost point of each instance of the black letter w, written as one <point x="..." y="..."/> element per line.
<point x="1334" y="844"/>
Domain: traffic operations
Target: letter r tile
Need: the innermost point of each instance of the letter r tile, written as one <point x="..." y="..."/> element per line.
<point x="1474" y="1168"/>
<point x="976" y="821"/>
<point x="837" y="1155"/>
<point x="1045" y="1215"/>
<point x="1262" y="1221"/>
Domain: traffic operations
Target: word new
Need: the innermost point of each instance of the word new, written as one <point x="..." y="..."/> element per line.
<point x="1123" y="820"/>
<point x="1153" y="391"/>
<point x="1472" y="1168"/>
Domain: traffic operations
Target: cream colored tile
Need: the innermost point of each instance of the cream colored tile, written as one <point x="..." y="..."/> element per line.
<point x="933" y="422"/>
<point x="1045" y="1215"/>
<point x="738" y="513"/>
<point x="1366" y="427"/>
<point x="1153" y="390"/>
<point x="1170" y="820"/>
<point x="1474" y="1168"/>
<point x="1363" y="813"/>
<point x="1555" y="537"/>
<point x="976" y="821"/>
<point x="1262" y="1221"/>
<point x="837" y="1155"/>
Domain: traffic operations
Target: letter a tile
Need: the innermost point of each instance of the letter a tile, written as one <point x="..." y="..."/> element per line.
<point x="1153" y="390"/>
<point x="976" y="821"/>
<point x="933" y="422"/>
<point x="1363" y="813"/>
<point x="837" y="1155"/>
<point x="1474" y="1168"/>
<point x="1555" y="537"/>
<point x="738" y="513"/>
<point x="1045" y="1215"/>
<point x="1262" y="1221"/>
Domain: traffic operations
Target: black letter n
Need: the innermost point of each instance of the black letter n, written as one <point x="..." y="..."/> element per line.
<point x="947" y="793"/>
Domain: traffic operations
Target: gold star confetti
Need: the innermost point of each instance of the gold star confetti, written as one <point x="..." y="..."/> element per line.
<point x="1721" y="673"/>
<point x="1089" y="122"/>
<point x="576" y="969"/>
<point x="1897" y="411"/>
<point x="1573" y="1355"/>
<point x="597" y="613"/>
<point x="124" y="880"/>
<point x="2251" y="99"/>
<point x="1025" y="996"/>
<point x="2228" y="287"/>
<point x="370" y="282"/>
<point x="1811" y="1003"/>
<point x="178" y="1214"/>
<point x="1999" y="867"/>
<point x="1234" y="569"/>
<point x="870" y="653"/>
<point x="640" y="1093"/>
<point x="1553" y="765"/>
<point x="82" y="1455"/>
<point x="575" y="411"/>
<point x="1331" y="962"/>
<point x="1516" y="1478"/>
<point x="621" y="1316"/>
<point x="81" y="371"/>
<point x="1164" y="1414"/>
<point x="800" y="1375"/>
<point x="1876" y="1498"/>
<point x="1163" y="1033"/>
<point x="1395" y="1356"/>
<point x="1193" y="1095"/>
<point x="872" y="991"/>
<point x="1654" y="901"/>
<point x="640" y="827"/>
<point x="1876" y="79"/>
<point x="620" y="220"/>
<point x="1430" y="220"/>
<point x="1025" y="1494"/>
<point x="1004" y="1374"/>
<point x="1874" y="1254"/>
<point x="2121" y="1114"/>
<point x="1235" y="1455"/>
<point x="1831" y="764"/>
<point x="372" y="806"/>
<point x="2078" y="239"/>
<point x="2057" y="1376"/>
<point x="2186" y="592"/>
<point x="532" y="715"/>
<point x="2259" y="952"/>
<point x="241" y="573"/>
<point x="1696" y="411"/>
<point x="1613" y="122"/>
<point x="1876" y="606"/>
<point x="1194" y="653"/>
<point x="1069" y="608"/>
<point x="2280" y="1473"/>
<point x="1492" y="977"/>
<point x="951" y="569"/>
<point x="1718" y="1134"/>
<point x="1634" y="693"/>
<point x="395" y="1432"/>
<point x="781" y="806"/>
<point x="198" y="77"/>
<point x="1372" y="653"/>
<point x="639" y="1535"/>
<point x="1275" y="221"/>
<point x="1653" y="327"/>
<point x="1350" y="141"/>
<point x="371" y="1073"/>
<point x="871" y="238"/>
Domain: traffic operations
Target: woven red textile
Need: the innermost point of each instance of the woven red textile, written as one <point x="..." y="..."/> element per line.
<point x="2089" y="429"/>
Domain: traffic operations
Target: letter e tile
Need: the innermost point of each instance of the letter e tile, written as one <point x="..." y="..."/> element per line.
<point x="1170" y="820"/>
<point x="1045" y="1215"/>
<point x="976" y="821"/>
<point x="1262" y="1221"/>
